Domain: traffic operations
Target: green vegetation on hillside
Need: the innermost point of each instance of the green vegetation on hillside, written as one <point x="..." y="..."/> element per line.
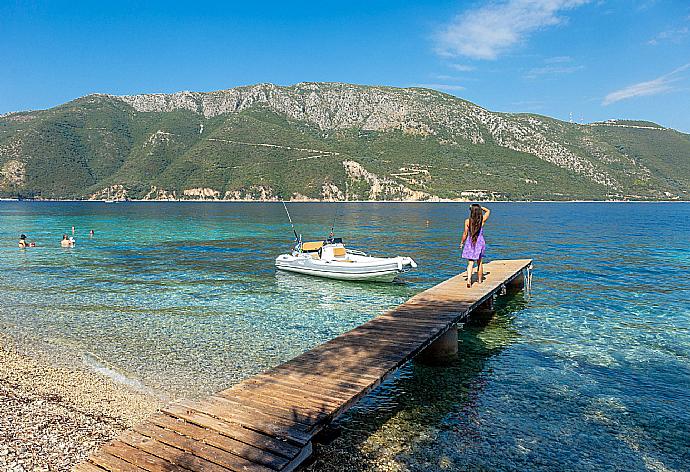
<point x="80" y="149"/>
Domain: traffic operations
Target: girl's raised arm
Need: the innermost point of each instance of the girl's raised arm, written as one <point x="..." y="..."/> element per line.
<point x="487" y="212"/>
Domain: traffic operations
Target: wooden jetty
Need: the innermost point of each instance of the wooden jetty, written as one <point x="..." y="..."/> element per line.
<point x="268" y="422"/>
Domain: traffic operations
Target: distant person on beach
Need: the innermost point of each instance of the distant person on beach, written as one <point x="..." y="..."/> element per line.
<point x="473" y="241"/>
<point x="66" y="242"/>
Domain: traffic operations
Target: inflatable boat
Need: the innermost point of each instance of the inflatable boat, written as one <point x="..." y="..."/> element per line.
<point x="331" y="259"/>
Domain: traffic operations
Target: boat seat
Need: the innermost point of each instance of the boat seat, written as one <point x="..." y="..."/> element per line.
<point x="312" y="246"/>
<point x="339" y="251"/>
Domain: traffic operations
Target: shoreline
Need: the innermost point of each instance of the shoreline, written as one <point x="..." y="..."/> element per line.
<point x="340" y="201"/>
<point x="54" y="416"/>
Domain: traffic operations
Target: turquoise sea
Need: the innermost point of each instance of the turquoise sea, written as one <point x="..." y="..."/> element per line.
<point x="590" y="372"/>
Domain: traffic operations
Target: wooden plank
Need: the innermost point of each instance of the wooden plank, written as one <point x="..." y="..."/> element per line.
<point x="435" y="303"/>
<point x="367" y="362"/>
<point x="419" y="317"/>
<point x="202" y="450"/>
<point x="353" y="345"/>
<point x="290" y="416"/>
<point x="363" y="346"/>
<point x="388" y="331"/>
<point x="361" y="342"/>
<point x="113" y="463"/>
<point x="359" y="359"/>
<point x="263" y="425"/>
<point x="242" y="414"/>
<point x="314" y="382"/>
<point x="277" y="385"/>
<point x="424" y="315"/>
<point x="274" y="400"/>
<point x="247" y="451"/>
<point x="358" y="349"/>
<point x="298" y="461"/>
<point x="323" y="387"/>
<point x="402" y="319"/>
<point x="345" y="367"/>
<point x="275" y="397"/>
<point x="171" y="458"/>
<point x="306" y="416"/>
<point x="296" y="396"/>
<point x="86" y="467"/>
<point x="383" y="336"/>
<point x="234" y="431"/>
<point x="140" y="458"/>
<point x="364" y="365"/>
<point x="251" y="417"/>
<point x="431" y="311"/>
<point x="317" y="371"/>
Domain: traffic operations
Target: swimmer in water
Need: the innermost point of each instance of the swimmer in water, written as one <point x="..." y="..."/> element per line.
<point x="66" y="242"/>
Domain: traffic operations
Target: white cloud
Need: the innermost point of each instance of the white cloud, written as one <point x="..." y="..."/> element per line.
<point x="552" y="69"/>
<point x="463" y="67"/>
<point x="445" y="77"/>
<point x="490" y="30"/>
<point x="448" y="87"/>
<point x="669" y="36"/>
<point x="651" y="87"/>
<point x="558" y="59"/>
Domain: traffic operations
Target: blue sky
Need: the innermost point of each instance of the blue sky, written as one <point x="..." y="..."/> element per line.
<point x="596" y="59"/>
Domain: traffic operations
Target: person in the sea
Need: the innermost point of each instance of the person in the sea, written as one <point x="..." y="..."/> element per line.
<point x="91" y="234"/>
<point x="23" y="243"/>
<point x="66" y="242"/>
<point x="473" y="241"/>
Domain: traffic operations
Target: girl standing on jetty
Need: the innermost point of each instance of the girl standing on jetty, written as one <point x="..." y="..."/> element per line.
<point x="473" y="241"/>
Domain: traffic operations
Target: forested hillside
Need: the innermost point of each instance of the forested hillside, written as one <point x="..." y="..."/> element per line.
<point x="329" y="141"/>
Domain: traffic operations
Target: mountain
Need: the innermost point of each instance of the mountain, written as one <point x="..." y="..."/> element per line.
<point x="329" y="141"/>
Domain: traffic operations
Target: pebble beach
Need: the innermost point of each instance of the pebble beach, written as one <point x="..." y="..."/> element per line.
<point x="51" y="417"/>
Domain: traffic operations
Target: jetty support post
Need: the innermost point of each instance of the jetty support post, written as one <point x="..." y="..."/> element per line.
<point x="443" y="350"/>
<point x="486" y="307"/>
<point x="517" y="284"/>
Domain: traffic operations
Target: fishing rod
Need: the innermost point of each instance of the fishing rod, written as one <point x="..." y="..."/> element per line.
<point x="331" y="234"/>
<point x="293" y="226"/>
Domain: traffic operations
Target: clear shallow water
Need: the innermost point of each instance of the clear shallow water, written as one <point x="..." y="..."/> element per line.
<point x="592" y="372"/>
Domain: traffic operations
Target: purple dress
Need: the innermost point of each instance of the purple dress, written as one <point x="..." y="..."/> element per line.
<point x="474" y="251"/>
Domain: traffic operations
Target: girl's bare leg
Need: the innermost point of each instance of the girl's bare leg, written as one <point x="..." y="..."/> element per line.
<point x="480" y="271"/>
<point x="470" y="265"/>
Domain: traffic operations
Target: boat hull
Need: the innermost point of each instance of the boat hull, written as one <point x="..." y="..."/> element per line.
<point x="371" y="276"/>
<point x="377" y="270"/>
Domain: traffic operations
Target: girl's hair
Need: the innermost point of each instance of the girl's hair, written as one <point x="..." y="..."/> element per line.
<point x="476" y="218"/>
